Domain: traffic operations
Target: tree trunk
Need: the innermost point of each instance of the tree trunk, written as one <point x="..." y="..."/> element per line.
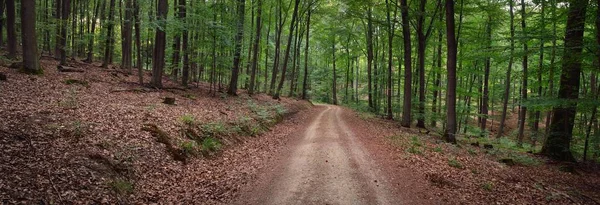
<point x="421" y="63"/>
<point x="390" y="60"/>
<point x="256" y="47"/>
<point x="109" y="35"/>
<point x="486" y="77"/>
<point x="406" y="111"/>
<point x="90" y="52"/>
<point x="523" y="110"/>
<point x="305" y="81"/>
<point x="558" y="144"/>
<point x="508" y="72"/>
<point x="158" y="61"/>
<point x="31" y="62"/>
<point x="10" y="29"/>
<point x="287" y="50"/>
<point x="238" y="48"/>
<point x="64" y="16"/>
<point x="2" y="8"/>
<point x="184" y="44"/>
<point x="334" y="88"/>
<point x="450" y="132"/>
<point x="126" y="37"/>
<point x="370" y="56"/>
<point x="138" y="41"/>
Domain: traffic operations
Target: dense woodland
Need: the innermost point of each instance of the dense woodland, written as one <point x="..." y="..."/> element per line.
<point x="459" y="68"/>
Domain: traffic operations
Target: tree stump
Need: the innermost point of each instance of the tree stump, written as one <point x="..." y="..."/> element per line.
<point x="169" y="101"/>
<point x="3" y="77"/>
<point x="475" y="144"/>
<point x="488" y="146"/>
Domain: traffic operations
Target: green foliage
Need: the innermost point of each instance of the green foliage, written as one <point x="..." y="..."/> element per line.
<point x="189" y="148"/>
<point x="121" y="187"/>
<point x="214" y="129"/>
<point x="438" y="149"/>
<point x="488" y="186"/>
<point x="188" y="120"/>
<point x="211" y="144"/>
<point x="453" y="162"/>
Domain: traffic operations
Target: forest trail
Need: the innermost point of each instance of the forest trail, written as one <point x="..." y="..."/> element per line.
<point x="328" y="165"/>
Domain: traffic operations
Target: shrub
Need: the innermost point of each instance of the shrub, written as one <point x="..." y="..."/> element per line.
<point x="188" y="119"/>
<point x="211" y="144"/>
<point x="455" y="163"/>
<point x="122" y="187"/>
<point x="189" y="148"/>
<point x="214" y="129"/>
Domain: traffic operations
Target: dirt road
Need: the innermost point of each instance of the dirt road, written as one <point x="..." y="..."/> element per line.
<point x="327" y="165"/>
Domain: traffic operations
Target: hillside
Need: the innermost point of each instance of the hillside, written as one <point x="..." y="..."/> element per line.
<point x="84" y="137"/>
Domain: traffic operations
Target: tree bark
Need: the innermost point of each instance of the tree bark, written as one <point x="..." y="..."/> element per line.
<point x="158" y="61"/>
<point x="558" y="144"/>
<point x="256" y="47"/>
<point x="31" y="62"/>
<point x="370" y="57"/>
<point x="138" y="40"/>
<point x="109" y="35"/>
<point x="305" y="81"/>
<point x="126" y="37"/>
<point x="64" y="16"/>
<point x="450" y="132"/>
<point x="406" y="111"/>
<point x="523" y="110"/>
<point x="287" y="50"/>
<point x="238" y="48"/>
<point x="508" y="72"/>
<point x="184" y="44"/>
<point x="10" y="29"/>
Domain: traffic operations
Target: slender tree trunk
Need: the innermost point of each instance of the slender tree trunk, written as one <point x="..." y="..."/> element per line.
<point x="508" y="72"/>
<point x="126" y="37"/>
<point x="266" y="73"/>
<point x="90" y="52"/>
<point x="523" y="110"/>
<point x="2" y="8"/>
<point x="65" y="12"/>
<point x="109" y="35"/>
<point x="305" y="81"/>
<point x="450" y="132"/>
<point x="536" y="123"/>
<point x="552" y="64"/>
<point x="176" y="56"/>
<point x="486" y="78"/>
<point x="31" y="62"/>
<point x="138" y="40"/>
<point x="421" y="63"/>
<point x="390" y="60"/>
<point x="334" y="88"/>
<point x="594" y="87"/>
<point x="10" y="29"/>
<point x="406" y="111"/>
<point x="370" y="56"/>
<point x="184" y="44"/>
<point x="158" y="55"/>
<point x="558" y="144"/>
<point x="279" y="30"/>
<point x="287" y="50"/>
<point x="256" y="47"/>
<point x="238" y="48"/>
